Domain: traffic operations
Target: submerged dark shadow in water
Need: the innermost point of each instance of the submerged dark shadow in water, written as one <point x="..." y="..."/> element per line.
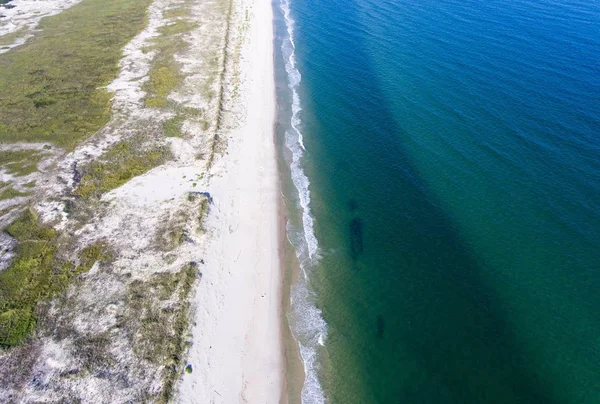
<point x="448" y="333"/>
<point x="356" y="238"/>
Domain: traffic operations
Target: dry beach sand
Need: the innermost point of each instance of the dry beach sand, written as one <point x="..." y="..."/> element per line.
<point x="237" y="347"/>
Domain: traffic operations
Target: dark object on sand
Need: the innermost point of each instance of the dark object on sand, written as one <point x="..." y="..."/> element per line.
<point x="194" y="264"/>
<point x="206" y="194"/>
<point x="76" y="172"/>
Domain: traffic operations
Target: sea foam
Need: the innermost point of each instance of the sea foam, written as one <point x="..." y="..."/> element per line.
<point x="306" y="320"/>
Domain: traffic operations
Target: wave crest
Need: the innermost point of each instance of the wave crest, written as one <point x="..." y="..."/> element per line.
<point x="306" y="321"/>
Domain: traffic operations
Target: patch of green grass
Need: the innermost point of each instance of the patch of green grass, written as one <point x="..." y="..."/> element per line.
<point x="30" y="184"/>
<point x="176" y="238"/>
<point x="122" y="162"/>
<point x="22" y="168"/>
<point x="176" y="12"/>
<point x="9" y="39"/>
<point x="20" y="162"/>
<point x="6" y="210"/>
<point x="10" y="193"/>
<point x="52" y="87"/>
<point x="173" y="126"/>
<point x="204" y="206"/>
<point x="181" y="26"/>
<point x="162" y="81"/>
<point x="172" y="238"/>
<point x="36" y="274"/>
<point x="93" y="253"/>
<point x="165" y="74"/>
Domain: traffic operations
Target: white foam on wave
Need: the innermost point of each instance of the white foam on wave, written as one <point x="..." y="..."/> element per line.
<point x="294" y="136"/>
<point x="306" y="320"/>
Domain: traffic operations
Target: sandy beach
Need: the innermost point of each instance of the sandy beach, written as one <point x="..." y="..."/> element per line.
<point x="237" y="352"/>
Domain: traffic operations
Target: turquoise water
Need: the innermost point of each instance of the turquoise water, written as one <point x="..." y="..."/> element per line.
<point x="444" y="178"/>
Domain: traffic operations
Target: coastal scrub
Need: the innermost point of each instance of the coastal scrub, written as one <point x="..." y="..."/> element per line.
<point x="20" y="162"/>
<point x="52" y="87"/>
<point x="119" y="164"/>
<point x="160" y="323"/>
<point x="36" y="274"/>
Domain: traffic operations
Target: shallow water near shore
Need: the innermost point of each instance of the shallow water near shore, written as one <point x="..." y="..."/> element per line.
<point x="450" y="154"/>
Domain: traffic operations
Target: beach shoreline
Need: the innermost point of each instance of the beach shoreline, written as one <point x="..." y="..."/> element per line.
<point x="237" y="352"/>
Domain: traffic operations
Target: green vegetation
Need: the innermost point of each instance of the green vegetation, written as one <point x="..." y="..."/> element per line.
<point x="162" y="81"/>
<point x="203" y="214"/>
<point x="162" y="310"/>
<point x="171" y="234"/>
<point x="165" y="74"/>
<point x="10" y="193"/>
<point x="36" y="274"/>
<point x="51" y="88"/>
<point x="20" y="162"/>
<point x="203" y="208"/>
<point x="93" y="352"/>
<point x="173" y="126"/>
<point x="6" y="210"/>
<point x="122" y="162"/>
<point x="9" y="39"/>
<point x="188" y="369"/>
<point x="177" y="12"/>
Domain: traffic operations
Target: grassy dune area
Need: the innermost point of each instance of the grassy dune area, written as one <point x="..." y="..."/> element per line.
<point x="119" y="164"/>
<point x="100" y="284"/>
<point x="20" y="162"/>
<point x="51" y="88"/>
<point x="36" y="274"/>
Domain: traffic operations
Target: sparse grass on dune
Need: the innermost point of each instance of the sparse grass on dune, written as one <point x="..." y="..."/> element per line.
<point x="161" y="308"/>
<point x="122" y="162"/>
<point x="51" y="88"/>
<point x="10" y="193"/>
<point x="36" y="274"/>
<point x="20" y="162"/>
<point x="172" y="126"/>
<point x="204" y="206"/>
<point x="165" y="75"/>
<point x="172" y="233"/>
<point x="9" y="39"/>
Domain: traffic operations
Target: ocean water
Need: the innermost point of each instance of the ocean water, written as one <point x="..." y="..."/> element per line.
<point x="441" y="167"/>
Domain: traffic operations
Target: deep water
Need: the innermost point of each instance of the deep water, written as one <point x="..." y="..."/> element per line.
<point x="452" y="152"/>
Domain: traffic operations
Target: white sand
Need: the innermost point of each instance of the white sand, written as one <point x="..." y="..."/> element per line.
<point x="27" y="14"/>
<point x="237" y="350"/>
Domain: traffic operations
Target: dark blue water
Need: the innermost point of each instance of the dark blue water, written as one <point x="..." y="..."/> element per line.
<point x="452" y="154"/>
